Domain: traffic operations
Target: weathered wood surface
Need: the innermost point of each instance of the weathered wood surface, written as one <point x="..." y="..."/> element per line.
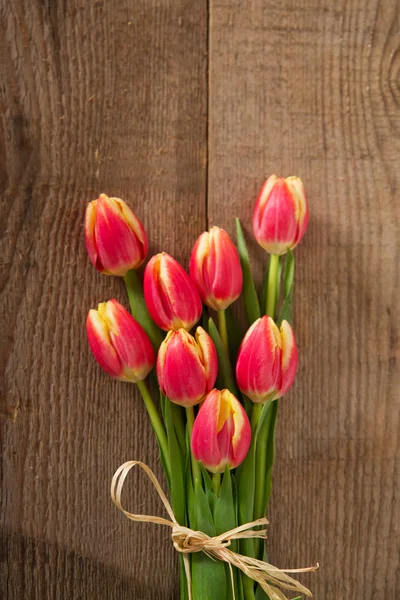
<point x="120" y="97"/>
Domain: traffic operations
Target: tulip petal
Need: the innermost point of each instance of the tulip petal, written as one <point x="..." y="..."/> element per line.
<point x="170" y="295"/>
<point x="258" y="366"/>
<point x="289" y="357"/>
<point x="179" y="289"/>
<point x="215" y="269"/>
<point x="280" y="215"/>
<point x="118" y="247"/>
<point x="132" y="345"/>
<point x="225" y="269"/>
<point x="221" y="433"/>
<point x="208" y="357"/>
<point x="119" y="344"/>
<point x="297" y="188"/>
<point x="204" y="442"/>
<point x="90" y="237"/>
<point x="183" y="379"/>
<point x="101" y="346"/>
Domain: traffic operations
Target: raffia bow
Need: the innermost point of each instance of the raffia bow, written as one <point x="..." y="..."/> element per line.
<point x="187" y="541"/>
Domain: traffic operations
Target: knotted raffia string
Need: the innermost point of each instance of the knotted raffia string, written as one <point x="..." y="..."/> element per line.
<point x="188" y="541"/>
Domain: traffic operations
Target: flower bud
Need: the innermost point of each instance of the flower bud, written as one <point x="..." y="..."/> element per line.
<point x="115" y="238"/>
<point x="215" y="269"/>
<point x="119" y="344"/>
<point x="221" y="432"/>
<point x="267" y="360"/>
<point x="280" y="215"/>
<point x="187" y="367"/>
<point x="171" y="297"/>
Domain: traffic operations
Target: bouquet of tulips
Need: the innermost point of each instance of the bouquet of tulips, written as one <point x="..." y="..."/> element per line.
<point x="216" y="412"/>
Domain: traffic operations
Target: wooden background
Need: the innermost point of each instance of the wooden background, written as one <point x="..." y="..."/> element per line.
<point x="183" y="108"/>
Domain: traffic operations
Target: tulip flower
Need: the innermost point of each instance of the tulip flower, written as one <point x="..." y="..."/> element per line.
<point x="187" y="366"/>
<point x="280" y="215"/>
<point x="221" y="432"/>
<point x="267" y="360"/>
<point x="171" y="297"/>
<point x="119" y="344"/>
<point x="115" y="238"/>
<point x="215" y="269"/>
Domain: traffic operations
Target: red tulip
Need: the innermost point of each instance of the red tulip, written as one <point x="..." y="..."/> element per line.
<point x="221" y="432"/>
<point x="115" y="238"/>
<point x="171" y="297"/>
<point x="119" y="344"/>
<point x="280" y="215"/>
<point x="215" y="269"/>
<point x="267" y="360"/>
<point x="187" y="367"/>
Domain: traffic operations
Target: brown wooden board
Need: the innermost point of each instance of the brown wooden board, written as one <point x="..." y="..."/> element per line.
<point x="95" y="96"/>
<point x="311" y="88"/>
<point x="113" y="96"/>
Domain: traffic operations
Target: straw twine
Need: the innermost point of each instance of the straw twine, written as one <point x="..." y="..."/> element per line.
<point x="187" y="541"/>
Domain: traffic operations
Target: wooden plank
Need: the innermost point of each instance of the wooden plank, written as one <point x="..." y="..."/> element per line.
<point x="96" y="96"/>
<point x="311" y="88"/>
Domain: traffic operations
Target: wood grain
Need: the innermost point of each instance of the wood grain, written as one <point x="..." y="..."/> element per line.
<point x="95" y="96"/>
<point x="312" y="88"/>
<point x="113" y="96"/>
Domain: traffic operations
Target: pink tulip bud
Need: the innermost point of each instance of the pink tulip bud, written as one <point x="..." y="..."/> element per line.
<point x="119" y="344"/>
<point x="280" y="215"/>
<point x="171" y="297"/>
<point x="215" y="269"/>
<point x="267" y="360"/>
<point x="115" y="238"/>
<point x="221" y="432"/>
<point x="187" y="367"/>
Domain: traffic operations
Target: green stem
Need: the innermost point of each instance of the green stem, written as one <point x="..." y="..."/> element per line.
<point x="261" y="465"/>
<point x="223" y="330"/>
<point x="255" y="417"/>
<point x="216" y="482"/>
<point x="272" y="290"/>
<point x="195" y="466"/>
<point x="155" y="421"/>
<point x="246" y="506"/>
<point x="179" y="425"/>
<point x="139" y="309"/>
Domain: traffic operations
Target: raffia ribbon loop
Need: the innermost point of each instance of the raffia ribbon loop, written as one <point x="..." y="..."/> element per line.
<point x="188" y="541"/>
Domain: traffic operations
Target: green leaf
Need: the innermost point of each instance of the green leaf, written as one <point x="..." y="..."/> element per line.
<point x="235" y="334"/>
<point x="208" y="486"/>
<point x="208" y="576"/>
<point x="139" y="309"/>
<point x="260" y="594"/>
<point x="204" y="318"/>
<point x="246" y="488"/>
<point x="250" y="298"/>
<point x="225" y="519"/>
<point x="264" y="412"/>
<point x="289" y="273"/>
<point x="264" y="291"/>
<point x="288" y="286"/>
<point x="183" y="586"/>
<point x="224" y="510"/>
<point x="270" y="451"/>
<point x="177" y="486"/>
<point x="225" y="374"/>
<point x="179" y="425"/>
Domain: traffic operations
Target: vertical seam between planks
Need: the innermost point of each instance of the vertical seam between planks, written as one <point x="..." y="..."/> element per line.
<point x="208" y="8"/>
